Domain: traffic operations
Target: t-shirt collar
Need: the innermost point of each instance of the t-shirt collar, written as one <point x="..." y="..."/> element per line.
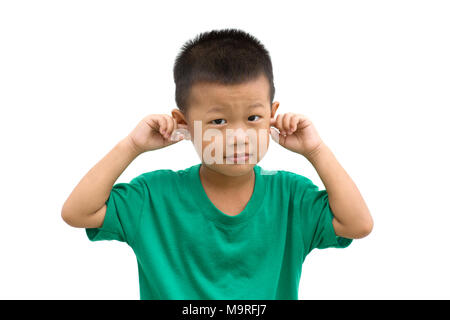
<point x="212" y="213"/>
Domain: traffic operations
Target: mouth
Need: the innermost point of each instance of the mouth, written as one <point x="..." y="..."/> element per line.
<point x="238" y="157"/>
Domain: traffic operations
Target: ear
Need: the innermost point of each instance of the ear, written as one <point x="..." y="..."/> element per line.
<point x="179" y="116"/>
<point x="182" y="123"/>
<point x="275" y="106"/>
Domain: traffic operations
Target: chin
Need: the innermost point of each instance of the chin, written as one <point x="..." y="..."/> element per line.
<point x="232" y="169"/>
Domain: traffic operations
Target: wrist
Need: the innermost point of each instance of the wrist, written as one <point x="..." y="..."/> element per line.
<point x="317" y="152"/>
<point x="128" y="146"/>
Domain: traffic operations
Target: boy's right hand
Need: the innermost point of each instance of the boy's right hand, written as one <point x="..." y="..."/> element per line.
<point x="154" y="132"/>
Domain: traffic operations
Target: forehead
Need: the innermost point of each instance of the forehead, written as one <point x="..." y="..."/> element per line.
<point x="209" y="94"/>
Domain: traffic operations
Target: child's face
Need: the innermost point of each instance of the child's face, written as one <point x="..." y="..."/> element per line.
<point x="241" y="111"/>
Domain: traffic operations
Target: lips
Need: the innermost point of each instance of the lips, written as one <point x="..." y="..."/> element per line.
<point x="240" y="155"/>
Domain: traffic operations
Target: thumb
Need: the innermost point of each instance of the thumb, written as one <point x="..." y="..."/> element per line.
<point x="176" y="136"/>
<point x="275" y="135"/>
<point x="182" y="126"/>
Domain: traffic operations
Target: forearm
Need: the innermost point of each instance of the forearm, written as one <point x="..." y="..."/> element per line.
<point x="346" y="202"/>
<point x="94" y="188"/>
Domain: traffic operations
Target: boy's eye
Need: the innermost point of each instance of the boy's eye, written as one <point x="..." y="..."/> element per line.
<point x="252" y="117"/>
<point x="213" y="121"/>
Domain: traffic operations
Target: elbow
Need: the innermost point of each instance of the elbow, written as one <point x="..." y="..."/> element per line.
<point x="356" y="230"/>
<point x="365" y="229"/>
<point x="68" y="217"/>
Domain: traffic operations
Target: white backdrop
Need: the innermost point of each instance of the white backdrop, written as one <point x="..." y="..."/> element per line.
<point x="373" y="76"/>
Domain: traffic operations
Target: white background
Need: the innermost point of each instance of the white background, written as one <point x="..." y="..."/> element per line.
<point x="373" y="76"/>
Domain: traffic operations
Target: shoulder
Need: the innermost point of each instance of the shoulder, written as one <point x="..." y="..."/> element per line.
<point x="160" y="176"/>
<point x="283" y="175"/>
<point x="286" y="179"/>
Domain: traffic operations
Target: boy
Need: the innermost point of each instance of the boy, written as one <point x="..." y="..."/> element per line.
<point x="224" y="228"/>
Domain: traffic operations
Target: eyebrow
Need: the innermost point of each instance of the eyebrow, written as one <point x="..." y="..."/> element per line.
<point x="255" y="105"/>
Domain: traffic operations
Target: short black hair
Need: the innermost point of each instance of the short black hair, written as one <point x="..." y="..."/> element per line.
<point x="227" y="56"/>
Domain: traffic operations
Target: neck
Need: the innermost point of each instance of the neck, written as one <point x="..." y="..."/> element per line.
<point x="220" y="181"/>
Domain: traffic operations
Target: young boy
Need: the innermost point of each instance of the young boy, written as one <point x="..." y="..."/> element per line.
<point x="224" y="228"/>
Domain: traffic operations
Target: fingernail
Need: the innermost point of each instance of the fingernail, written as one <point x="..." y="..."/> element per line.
<point x="176" y="136"/>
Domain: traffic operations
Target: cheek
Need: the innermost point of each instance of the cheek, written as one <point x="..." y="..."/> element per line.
<point x="210" y="139"/>
<point x="260" y="142"/>
<point x="257" y="141"/>
<point x="263" y="142"/>
<point x="215" y="142"/>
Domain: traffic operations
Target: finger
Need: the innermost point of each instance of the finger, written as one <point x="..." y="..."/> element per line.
<point x="151" y="121"/>
<point x="272" y="121"/>
<point x="175" y="125"/>
<point x="154" y="121"/>
<point x="280" y="125"/>
<point x="278" y="122"/>
<point x="293" y="123"/>
<point x="182" y="130"/>
<point x="169" y="129"/>
<point x="162" y="122"/>
<point x="286" y="120"/>
<point x="303" y="121"/>
<point x="275" y="135"/>
<point x="176" y="134"/>
<point x="174" y="128"/>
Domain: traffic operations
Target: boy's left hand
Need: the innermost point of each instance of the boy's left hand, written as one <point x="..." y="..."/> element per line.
<point x="296" y="133"/>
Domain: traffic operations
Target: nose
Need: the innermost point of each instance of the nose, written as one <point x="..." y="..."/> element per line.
<point x="238" y="136"/>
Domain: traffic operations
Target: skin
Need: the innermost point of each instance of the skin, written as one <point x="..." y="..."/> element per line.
<point x="230" y="185"/>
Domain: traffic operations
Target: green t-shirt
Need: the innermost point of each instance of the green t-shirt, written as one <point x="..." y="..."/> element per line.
<point x="186" y="248"/>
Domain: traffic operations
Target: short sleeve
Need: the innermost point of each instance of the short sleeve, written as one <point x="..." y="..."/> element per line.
<point x="123" y="212"/>
<point x="316" y="220"/>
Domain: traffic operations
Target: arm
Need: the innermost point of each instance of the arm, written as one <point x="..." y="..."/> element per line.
<point x="85" y="207"/>
<point x="352" y="218"/>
